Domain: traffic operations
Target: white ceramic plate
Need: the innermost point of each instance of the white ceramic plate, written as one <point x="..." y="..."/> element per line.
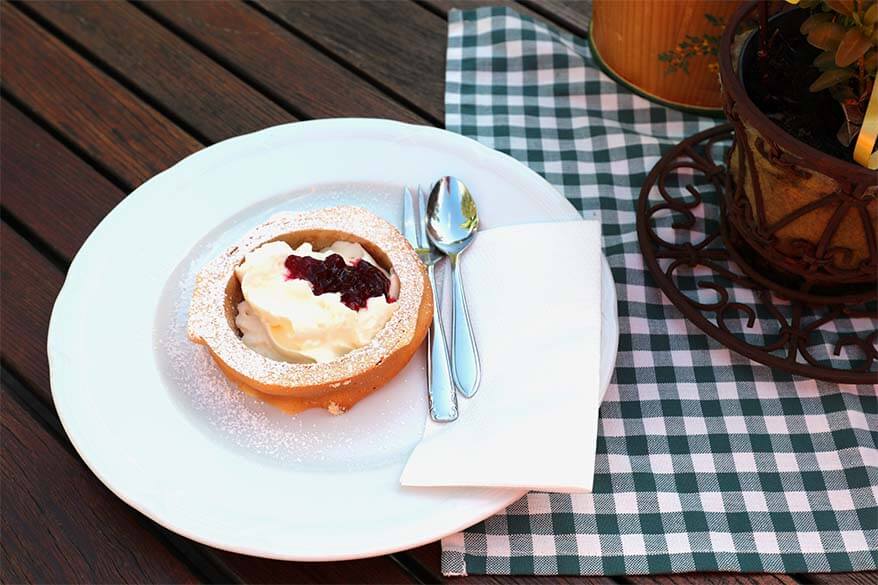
<point x="156" y="422"/>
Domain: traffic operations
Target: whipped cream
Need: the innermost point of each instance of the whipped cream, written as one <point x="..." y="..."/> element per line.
<point x="284" y="320"/>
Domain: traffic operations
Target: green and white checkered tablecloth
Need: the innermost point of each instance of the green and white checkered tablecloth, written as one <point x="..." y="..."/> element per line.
<point x="706" y="461"/>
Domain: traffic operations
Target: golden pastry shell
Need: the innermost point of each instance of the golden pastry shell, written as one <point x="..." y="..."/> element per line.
<point x="217" y="293"/>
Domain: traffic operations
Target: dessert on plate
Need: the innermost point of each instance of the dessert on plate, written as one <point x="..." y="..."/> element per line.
<point x="314" y="309"/>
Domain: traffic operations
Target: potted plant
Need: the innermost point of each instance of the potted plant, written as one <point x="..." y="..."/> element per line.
<point x="798" y="89"/>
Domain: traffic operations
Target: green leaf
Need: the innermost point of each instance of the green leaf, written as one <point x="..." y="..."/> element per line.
<point x="470" y="212"/>
<point x="870" y="63"/>
<point x="853" y="45"/>
<point x="829" y="78"/>
<point x="813" y="21"/>
<point x="871" y="16"/>
<point x="826" y="35"/>
<point x="825" y="60"/>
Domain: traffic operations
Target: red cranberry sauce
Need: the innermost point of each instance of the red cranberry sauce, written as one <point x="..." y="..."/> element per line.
<point x="357" y="283"/>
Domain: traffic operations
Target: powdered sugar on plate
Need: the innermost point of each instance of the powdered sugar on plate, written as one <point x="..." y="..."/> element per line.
<point x="380" y="429"/>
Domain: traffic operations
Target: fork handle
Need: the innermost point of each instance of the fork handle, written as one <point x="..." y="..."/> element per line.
<point x="440" y="388"/>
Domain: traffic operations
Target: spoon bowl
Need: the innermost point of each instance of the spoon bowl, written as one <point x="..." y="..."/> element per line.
<point x="452" y="216"/>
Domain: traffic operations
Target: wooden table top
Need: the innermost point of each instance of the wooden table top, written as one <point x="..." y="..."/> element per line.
<point x="97" y="98"/>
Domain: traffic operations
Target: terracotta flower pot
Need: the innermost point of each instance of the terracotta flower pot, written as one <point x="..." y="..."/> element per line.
<point x="811" y="217"/>
<point x="665" y="50"/>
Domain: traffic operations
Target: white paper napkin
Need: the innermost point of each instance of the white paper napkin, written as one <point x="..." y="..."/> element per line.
<point x="534" y="295"/>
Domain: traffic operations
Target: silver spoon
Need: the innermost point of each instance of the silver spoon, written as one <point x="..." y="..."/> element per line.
<point x="452" y="222"/>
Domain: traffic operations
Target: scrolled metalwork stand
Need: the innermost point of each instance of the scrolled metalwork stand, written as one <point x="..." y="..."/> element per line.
<point x="719" y="262"/>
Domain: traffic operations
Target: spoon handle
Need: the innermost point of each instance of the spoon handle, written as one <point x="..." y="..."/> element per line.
<point x="440" y="389"/>
<point x="464" y="355"/>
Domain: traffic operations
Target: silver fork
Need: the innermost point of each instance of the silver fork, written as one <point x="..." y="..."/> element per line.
<point x="440" y="388"/>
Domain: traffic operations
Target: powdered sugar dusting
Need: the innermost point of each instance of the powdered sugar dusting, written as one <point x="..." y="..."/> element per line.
<point x="382" y="428"/>
<point x="208" y="321"/>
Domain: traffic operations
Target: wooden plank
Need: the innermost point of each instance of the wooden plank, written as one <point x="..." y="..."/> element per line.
<point x="208" y="99"/>
<point x="442" y="7"/>
<point x="864" y="578"/>
<point x="85" y="105"/>
<point x="60" y="525"/>
<point x="573" y="15"/>
<point x="47" y="187"/>
<point x="399" y="45"/>
<point x="429" y="556"/>
<point x="286" y="67"/>
<point x="30" y="285"/>
<point x="373" y="570"/>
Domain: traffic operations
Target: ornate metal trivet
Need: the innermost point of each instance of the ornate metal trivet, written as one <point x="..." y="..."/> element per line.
<point x="719" y="284"/>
